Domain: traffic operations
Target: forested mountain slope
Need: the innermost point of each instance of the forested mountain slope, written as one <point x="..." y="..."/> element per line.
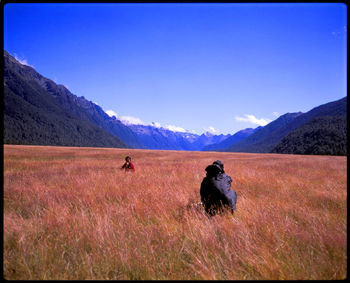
<point x="38" y="111"/>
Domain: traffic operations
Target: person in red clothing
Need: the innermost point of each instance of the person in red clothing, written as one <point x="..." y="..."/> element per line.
<point x="128" y="166"/>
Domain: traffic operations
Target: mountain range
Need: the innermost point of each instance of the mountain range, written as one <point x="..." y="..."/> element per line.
<point x="39" y="111"/>
<point x="237" y="137"/>
<point x="302" y="133"/>
<point x="266" y="137"/>
<point x="160" y="138"/>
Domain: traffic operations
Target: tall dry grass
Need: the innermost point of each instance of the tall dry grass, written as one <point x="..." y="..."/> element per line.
<point x="70" y="213"/>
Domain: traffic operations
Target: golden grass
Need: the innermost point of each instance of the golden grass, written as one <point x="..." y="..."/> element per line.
<point x="70" y="213"/>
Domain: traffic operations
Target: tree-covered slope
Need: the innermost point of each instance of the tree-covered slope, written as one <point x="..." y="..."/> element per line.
<point x="33" y="116"/>
<point x="266" y="139"/>
<point x="332" y="109"/>
<point x="324" y="135"/>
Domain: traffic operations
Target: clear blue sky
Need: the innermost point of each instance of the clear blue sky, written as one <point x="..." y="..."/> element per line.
<point x="194" y="66"/>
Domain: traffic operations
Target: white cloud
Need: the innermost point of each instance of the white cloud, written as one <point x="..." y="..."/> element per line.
<point x="253" y="120"/>
<point x="211" y="130"/>
<point x="110" y="113"/>
<point x="175" y="128"/>
<point x="129" y="120"/>
<point x="171" y="128"/>
<point x="276" y="114"/>
<point x="23" y="62"/>
<point x="339" y="33"/>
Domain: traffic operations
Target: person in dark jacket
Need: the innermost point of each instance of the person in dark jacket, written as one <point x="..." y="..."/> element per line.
<point x="215" y="190"/>
<point x="128" y="166"/>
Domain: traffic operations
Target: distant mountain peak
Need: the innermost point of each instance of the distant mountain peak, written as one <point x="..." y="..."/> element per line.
<point x="208" y="134"/>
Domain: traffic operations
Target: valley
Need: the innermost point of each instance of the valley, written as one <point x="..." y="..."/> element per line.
<point x="71" y="213"/>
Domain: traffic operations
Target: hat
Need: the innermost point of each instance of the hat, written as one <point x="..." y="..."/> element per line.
<point x="219" y="164"/>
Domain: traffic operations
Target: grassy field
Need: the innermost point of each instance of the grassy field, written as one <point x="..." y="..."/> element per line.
<point x="70" y="213"/>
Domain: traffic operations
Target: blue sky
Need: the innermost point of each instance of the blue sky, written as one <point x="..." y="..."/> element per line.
<point x="195" y="67"/>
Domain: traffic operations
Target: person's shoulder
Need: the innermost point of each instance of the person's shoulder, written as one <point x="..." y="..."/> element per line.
<point x="205" y="179"/>
<point x="226" y="177"/>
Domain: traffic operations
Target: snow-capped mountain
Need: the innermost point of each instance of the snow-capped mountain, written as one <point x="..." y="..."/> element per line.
<point x="154" y="137"/>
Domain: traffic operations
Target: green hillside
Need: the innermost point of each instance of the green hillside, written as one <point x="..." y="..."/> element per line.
<point x="318" y="131"/>
<point x="33" y="116"/>
<point x="321" y="136"/>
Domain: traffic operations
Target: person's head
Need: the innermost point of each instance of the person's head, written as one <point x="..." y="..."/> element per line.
<point x="128" y="159"/>
<point x="219" y="164"/>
